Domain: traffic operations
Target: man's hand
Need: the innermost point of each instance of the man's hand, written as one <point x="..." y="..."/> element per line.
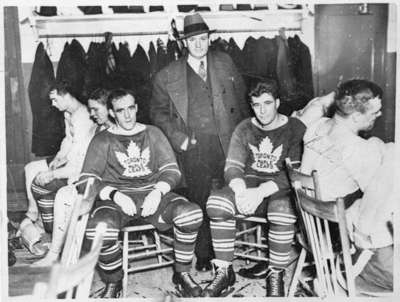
<point x="125" y="202"/>
<point x="43" y="178"/>
<point x="248" y="200"/>
<point x="151" y="202"/>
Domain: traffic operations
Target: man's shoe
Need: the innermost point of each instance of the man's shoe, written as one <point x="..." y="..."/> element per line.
<point x="112" y="290"/>
<point x="203" y="265"/>
<point x="224" y="278"/>
<point x="275" y="284"/>
<point x="258" y="271"/>
<point x="186" y="285"/>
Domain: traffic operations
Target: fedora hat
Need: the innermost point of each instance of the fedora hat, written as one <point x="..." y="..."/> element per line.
<point x="194" y="25"/>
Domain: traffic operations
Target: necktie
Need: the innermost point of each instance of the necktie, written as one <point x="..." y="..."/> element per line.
<point x="202" y="71"/>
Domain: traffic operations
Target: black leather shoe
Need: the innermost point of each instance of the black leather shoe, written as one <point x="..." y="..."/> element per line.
<point x="203" y="265"/>
<point x="275" y="284"/>
<point x="186" y="285"/>
<point x="223" y="280"/>
<point x="258" y="271"/>
<point x="112" y="290"/>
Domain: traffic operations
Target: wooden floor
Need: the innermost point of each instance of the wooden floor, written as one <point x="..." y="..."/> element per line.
<point x="150" y="284"/>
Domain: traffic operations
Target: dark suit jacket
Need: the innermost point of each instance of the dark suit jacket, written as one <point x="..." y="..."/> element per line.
<point x="169" y="104"/>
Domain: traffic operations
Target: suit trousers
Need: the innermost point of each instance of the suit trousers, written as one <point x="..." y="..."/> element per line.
<point x="203" y="165"/>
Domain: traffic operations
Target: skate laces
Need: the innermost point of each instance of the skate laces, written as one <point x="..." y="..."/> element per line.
<point x="219" y="275"/>
<point x="274" y="281"/>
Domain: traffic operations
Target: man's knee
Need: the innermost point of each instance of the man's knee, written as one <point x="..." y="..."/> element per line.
<point x="281" y="212"/>
<point x="38" y="191"/>
<point x="34" y="167"/>
<point x="220" y="207"/>
<point x="187" y="216"/>
<point x="110" y="217"/>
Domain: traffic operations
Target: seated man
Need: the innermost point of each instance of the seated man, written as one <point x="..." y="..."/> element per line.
<point x="66" y="165"/>
<point x="98" y="110"/>
<point x="313" y="111"/>
<point x="135" y="169"/>
<point x="257" y="185"/>
<point x="345" y="162"/>
<point x="347" y="166"/>
<point x="66" y="196"/>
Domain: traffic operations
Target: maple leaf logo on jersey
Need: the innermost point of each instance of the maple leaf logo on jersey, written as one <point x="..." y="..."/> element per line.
<point x="135" y="162"/>
<point x="265" y="158"/>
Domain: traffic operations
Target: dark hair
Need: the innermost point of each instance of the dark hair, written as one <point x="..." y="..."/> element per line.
<point x="100" y="95"/>
<point x="117" y="94"/>
<point x="269" y="86"/>
<point x="63" y="87"/>
<point x="354" y="95"/>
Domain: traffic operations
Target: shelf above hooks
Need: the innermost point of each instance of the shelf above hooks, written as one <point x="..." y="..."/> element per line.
<point x="158" y="23"/>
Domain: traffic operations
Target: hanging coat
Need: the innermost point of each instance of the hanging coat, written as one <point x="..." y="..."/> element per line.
<point x="48" y="122"/>
<point x="219" y="44"/>
<point x="266" y="52"/>
<point x="300" y="58"/>
<point x="122" y="73"/>
<point x="162" y="57"/>
<point x="94" y="75"/>
<point x="248" y="56"/>
<point x="153" y="60"/>
<point x="286" y="78"/>
<point x="111" y="78"/>
<point x="72" y="68"/>
<point x="139" y="72"/>
<point x="236" y="54"/>
<point x="173" y="51"/>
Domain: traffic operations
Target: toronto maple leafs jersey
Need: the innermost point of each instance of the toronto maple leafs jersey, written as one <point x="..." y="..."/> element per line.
<point x="258" y="155"/>
<point x="131" y="162"/>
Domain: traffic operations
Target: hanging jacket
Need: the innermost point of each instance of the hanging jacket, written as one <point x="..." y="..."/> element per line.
<point x="248" y="56"/>
<point x="153" y="60"/>
<point x="47" y="126"/>
<point x="236" y="54"/>
<point x="300" y="58"/>
<point x="162" y="57"/>
<point x="286" y="78"/>
<point x="266" y="53"/>
<point x="94" y="75"/>
<point x="72" y="68"/>
<point x="219" y="44"/>
<point x="139" y="73"/>
<point x="173" y="51"/>
<point x="122" y="72"/>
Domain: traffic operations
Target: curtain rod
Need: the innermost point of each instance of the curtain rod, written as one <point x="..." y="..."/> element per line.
<point x="143" y="33"/>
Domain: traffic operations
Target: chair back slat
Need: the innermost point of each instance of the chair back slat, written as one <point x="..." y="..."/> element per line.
<point x="326" y="210"/>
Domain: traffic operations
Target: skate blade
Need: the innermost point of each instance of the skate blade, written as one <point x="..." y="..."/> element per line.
<point x="227" y="292"/>
<point x="181" y="293"/>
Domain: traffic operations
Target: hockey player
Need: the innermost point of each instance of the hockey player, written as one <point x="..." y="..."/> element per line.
<point x="135" y="170"/>
<point x="257" y="185"/>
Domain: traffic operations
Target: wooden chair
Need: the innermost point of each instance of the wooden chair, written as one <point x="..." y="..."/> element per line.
<point x="317" y="216"/>
<point x="79" y="217"/>
<point x="74" y="280"/>
<point x="249" y="240"/>
<point x="153" y="248"/>
<point x="310" y="186"/>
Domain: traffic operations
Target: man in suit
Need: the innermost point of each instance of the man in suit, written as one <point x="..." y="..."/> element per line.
<point x="197" y="101"/>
